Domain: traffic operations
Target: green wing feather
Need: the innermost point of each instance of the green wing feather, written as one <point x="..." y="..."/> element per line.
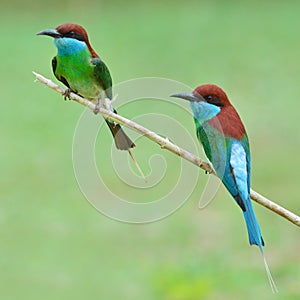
<point x="60" y="78"/>
<point x="122" y="141"/>
<point x="103" y="76"/>
<point x="203" y="138"/>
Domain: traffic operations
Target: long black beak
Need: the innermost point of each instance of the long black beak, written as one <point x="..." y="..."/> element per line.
<point x="187" y="96"/>
<point x="50" y="32"/>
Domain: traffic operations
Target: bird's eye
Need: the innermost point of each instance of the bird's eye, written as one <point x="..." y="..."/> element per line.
<point x="71" y="33"/>
<point x="213" y="100"/>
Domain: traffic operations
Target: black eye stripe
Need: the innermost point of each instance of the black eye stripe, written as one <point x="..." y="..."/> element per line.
<point x="213" y="100"/>
<point x="75" y="35"/>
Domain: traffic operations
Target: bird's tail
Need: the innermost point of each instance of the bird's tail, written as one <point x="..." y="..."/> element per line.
<point x="122" y="141"/>
<point x="254" y="234"/>
<point x="256" y="239"/>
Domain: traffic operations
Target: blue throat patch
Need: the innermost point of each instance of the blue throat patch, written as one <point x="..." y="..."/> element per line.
<point x="204" y="111"/>
<point x="69" y="46"/>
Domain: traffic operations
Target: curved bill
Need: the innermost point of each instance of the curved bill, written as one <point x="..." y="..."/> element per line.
<point x="187" y="96"/>
<point x="50" y="32"/>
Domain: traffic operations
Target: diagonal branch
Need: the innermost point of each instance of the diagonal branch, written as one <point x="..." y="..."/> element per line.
<point x="166" y="144"/>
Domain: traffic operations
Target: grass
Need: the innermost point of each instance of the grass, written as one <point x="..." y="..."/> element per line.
<point x="54" y="245"/>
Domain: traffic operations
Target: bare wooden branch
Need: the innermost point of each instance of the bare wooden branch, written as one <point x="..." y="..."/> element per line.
<point x="166" y="144"/>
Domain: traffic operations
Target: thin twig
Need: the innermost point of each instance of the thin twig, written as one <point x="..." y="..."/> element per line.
<point x="166" y="144"/>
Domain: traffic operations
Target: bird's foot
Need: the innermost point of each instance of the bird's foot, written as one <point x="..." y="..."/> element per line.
<point x="67" y="93"/>
<point x="209" y="171"/>
<point x="97" y="107"/>
<point x="108" y="103"/>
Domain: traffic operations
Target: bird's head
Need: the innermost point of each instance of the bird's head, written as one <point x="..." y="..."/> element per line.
<point x="206" y="101"/>
<point x="67" y="30"/>
<point x="69" y="36"/>
<point x="209" y="93"/>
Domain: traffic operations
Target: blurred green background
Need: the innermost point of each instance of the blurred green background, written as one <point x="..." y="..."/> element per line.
<point x="55" y="245"/>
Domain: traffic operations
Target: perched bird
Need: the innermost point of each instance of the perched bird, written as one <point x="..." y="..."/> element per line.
<point x="225" y="142"/>
<point x="79" y="67"/>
